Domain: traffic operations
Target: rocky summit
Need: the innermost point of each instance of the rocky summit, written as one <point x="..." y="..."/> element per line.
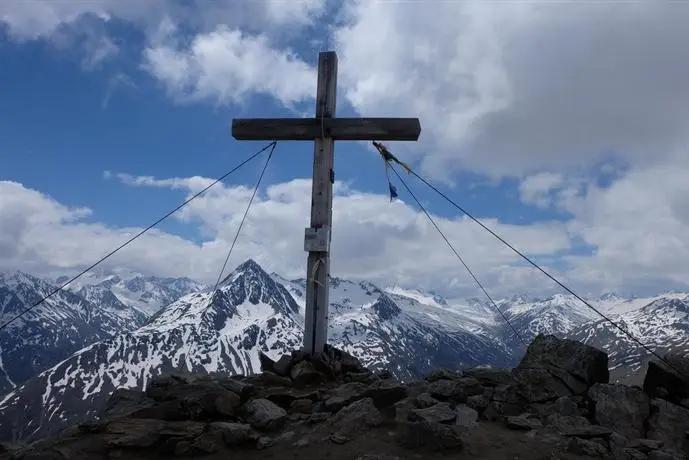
<point x="556" y="404"/>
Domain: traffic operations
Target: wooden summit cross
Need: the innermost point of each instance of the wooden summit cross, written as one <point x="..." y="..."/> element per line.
<point x="323" y="129"/>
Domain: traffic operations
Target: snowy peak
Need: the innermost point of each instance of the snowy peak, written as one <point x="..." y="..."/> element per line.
<point x="407" y="331"/>
<point x="386" y="308"/>
<point x="144" y="283"/>
<point x="200" y="310"/>
<point x="50" y="331"/>
<point x="28" y="288"/>
<point x="148" y="294"/>
<point x="248" y="269"/>
<point x="427" y="298"/>
<point x="22" y="291"/>
<point x="247" y="288"/>
<point x="611" y="297"/>
<point x="558" y="315"/>
<point x="440" y="300"/>
<point x="666" y="307"/>
<point x="105" y="300"/>
<point x="250" y="283"/>
<point x="662" y="324"/>
<point x="220" y="331"/>
<point x="110" y="281"/>
<point x="520" y="299"/>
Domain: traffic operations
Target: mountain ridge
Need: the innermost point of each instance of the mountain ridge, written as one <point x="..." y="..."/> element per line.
<point x="145" y="293"/>
<point x="50" y="331"/>
<point x="407" y="332"/>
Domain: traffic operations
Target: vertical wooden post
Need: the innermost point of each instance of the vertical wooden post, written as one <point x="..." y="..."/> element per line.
<point x="318" y="263"/>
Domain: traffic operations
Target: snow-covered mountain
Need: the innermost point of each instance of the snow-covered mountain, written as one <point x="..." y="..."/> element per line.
<point x="406" y="331"/>
<point x="51" y="332"/>
<point x="662" y="325"/>
<point x="148" y="294"/>
<point x="200" y="332"/>
<point x="557" y="315"/>
<point x="659" y="322"/>
<point x="250" y="313"/>
<point x="104" y="299"/>
<point x="94" y="307"/>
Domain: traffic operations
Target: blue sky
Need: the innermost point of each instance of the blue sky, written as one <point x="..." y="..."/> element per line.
<point x="558" y="165"/>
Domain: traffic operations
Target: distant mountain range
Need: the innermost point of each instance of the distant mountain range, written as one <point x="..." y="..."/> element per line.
<point x="90" y="310"/>
<point x="147" y="294"/>
<point x="112" y="332"/>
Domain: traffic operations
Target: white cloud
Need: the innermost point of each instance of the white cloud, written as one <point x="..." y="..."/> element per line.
<point x="509" y="89"/>
<point x="76" y="25"/>
<point x="38" y="234"/>
<point x="545" y="93"/>
<point x="372" y="239"/>
<point x="227" y="65"/>
<point x="30" y="20"/>
<point x="522" y="87"/>
<point x="275" y="17"/>
<point x="639" y="225"/>
<point x="299" y="11"/>
<point x="536" y="189"/>
<point x="195" y="183"/>
<point x="81" y="25"/>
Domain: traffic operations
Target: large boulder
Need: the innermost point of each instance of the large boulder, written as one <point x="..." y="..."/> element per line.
<point x="555" y="367"/>
<point x="385" y="393"/>
<point x="507" y="400"/>
<point x="669" y="382"/>
<point x="264" y="415"/>
<point x="329" y="366"/>
<point x="448" y="390"/>
<point x="358" y="416"/>
<point x="489" y="377"/>
<point x="344" y="395"/>
<point x="440" y="413"/>
<point x="669" y="423"/>
<point x="304" y="373"/>
<point x="619" y="407"/>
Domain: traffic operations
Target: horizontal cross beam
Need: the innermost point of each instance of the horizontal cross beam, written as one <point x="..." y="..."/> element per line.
<point x="309" y="129"/>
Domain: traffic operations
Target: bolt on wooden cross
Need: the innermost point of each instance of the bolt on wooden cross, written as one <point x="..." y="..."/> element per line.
<point x="323" y="129"/>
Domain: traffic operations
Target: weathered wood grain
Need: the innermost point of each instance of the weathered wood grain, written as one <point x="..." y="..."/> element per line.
<point x="318" y="263"/>
<point x="342" y="129"/>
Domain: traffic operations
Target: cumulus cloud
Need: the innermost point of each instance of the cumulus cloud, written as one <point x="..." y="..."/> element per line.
<point x="39" y="234"/>
<point x="30" y="20"/>
<point x="372" y="239"/>
<point x="82" y="25"/>
<point x="639" y="225"/>
<point x="509" y="89"/>
<point x="544" y="93"/>
<point x="523" y="87"/>
<point x="227" y="65"/>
